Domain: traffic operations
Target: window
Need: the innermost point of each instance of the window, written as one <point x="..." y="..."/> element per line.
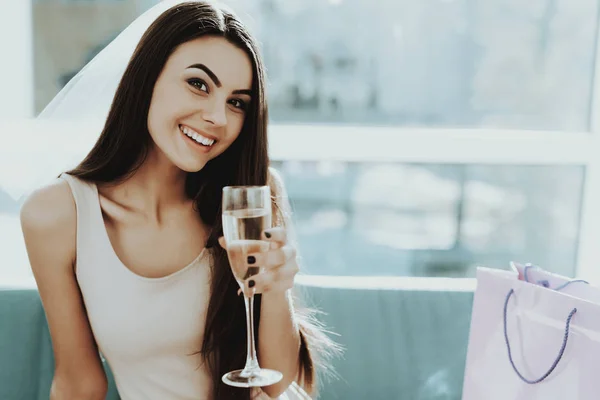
<point x="415" y="138"/>
<point x="357" y="218"/>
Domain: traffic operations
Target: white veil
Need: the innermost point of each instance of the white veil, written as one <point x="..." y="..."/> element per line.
<point x="69" y="125"/>
<point x="89" y="94"/>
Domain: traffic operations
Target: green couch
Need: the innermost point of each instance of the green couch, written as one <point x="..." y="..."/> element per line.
<point x="400" y="342"/>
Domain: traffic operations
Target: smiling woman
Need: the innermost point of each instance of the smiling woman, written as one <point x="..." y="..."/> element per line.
<point x="140" y="218"/>
<point x="443" y="136"/>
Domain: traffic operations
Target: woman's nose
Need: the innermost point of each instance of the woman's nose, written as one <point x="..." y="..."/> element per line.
<point x="215" y="114"/>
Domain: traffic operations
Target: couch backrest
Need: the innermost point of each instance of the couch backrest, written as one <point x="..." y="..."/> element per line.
<point x="399" y="344"/>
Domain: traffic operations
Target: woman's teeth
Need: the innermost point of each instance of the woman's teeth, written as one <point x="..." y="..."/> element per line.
<point x="196" y="136"/>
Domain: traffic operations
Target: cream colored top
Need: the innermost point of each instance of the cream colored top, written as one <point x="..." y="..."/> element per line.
<point x="149" y="330"/>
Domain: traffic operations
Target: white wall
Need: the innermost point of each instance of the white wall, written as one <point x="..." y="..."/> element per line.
<point x="16" y="60"/>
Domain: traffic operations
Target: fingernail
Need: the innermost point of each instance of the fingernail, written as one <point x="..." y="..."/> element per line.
<point x="267" y="235"/>
<point x="251" y="283"/>
<point x="251" y="260"/>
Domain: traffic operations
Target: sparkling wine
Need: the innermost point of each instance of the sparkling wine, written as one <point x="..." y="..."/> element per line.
<point x="243" y="230"/>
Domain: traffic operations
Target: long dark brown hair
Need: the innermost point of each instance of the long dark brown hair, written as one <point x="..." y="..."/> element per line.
<point x="124" y="144"/>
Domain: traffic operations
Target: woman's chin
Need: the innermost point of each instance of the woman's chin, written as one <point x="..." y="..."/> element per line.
<point x="191" y="166"/>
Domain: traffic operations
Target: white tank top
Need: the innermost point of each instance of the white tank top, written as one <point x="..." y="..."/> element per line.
<point x="149" y="330"/>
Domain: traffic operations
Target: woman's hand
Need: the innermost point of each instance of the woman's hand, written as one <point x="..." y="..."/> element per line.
<point x="278" y="263"/>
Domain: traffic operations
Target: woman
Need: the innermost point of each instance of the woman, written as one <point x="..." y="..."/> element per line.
<point x="125" y="248"/>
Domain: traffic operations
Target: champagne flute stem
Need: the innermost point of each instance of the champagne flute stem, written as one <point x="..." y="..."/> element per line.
<point x="251" y="359"/>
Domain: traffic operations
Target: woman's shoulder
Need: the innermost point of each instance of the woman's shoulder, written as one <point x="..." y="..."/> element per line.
<point x="276" y="183"/>
<point x="49" y="209"/>
<point x="282" y="210"/>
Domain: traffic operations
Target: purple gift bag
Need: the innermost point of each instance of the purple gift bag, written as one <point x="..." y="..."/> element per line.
<point x="533" y="336"/>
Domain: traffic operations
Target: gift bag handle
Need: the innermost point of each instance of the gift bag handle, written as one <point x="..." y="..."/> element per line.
<point x="545" y="283"/>
<point x="560" y="353"/>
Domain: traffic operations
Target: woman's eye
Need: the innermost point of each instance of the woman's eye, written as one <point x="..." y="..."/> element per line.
<point x="198" y="84"/>
<point x="237" y="103"/>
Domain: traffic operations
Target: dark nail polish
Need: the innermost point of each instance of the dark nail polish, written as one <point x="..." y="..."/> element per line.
<point x="251" y="260"/>
<point x="251" y="283"/>
<point x="267" y="235"/>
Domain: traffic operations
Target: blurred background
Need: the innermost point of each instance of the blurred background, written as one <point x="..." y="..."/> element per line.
<point x="416" y="138"/>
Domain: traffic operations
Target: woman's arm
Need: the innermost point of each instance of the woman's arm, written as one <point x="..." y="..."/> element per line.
<point x="279" y="336"/>
<point x="49" y="224"/>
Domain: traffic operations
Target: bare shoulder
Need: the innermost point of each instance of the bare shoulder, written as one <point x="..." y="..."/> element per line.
<point x="282" y="209"/>
<point x="49" y="207"/>
<point x="276" y="183"/>
<point x="49" y="216"/>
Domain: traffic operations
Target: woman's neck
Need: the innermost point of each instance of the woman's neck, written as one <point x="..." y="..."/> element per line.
<point x="156" y="187"/>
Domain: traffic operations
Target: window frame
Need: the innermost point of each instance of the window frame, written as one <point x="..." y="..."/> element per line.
<point x="316" y="142"/>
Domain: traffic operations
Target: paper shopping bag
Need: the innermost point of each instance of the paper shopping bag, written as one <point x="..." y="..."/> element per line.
<point x="531" y="342"/>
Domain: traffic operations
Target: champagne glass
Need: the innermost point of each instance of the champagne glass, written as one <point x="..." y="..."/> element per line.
<point x="246" y="214"/>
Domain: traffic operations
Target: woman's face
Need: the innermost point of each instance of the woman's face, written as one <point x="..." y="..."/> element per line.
<point x="199" y="101"/>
